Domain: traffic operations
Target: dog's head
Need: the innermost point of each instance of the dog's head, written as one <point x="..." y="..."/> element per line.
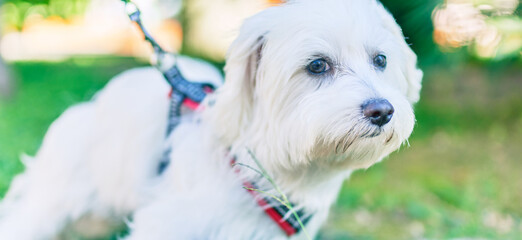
<point x="323" y="81"/>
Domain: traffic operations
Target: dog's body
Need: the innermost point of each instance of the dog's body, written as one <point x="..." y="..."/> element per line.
<point x="302" y="83"/>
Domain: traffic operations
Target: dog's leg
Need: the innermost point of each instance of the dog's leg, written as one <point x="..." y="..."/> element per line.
<point x="55" y="187"/>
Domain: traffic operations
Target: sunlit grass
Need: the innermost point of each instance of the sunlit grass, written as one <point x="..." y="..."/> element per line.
<point x="446" y="185"/>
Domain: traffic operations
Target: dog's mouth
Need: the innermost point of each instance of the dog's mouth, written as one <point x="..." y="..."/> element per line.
<point x="371" y="133"/>
<point x="343" y="145"/>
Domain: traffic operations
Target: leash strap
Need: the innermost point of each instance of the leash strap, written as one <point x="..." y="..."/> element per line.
<point x="134" y="14"/>
<point x="183" y="92"/>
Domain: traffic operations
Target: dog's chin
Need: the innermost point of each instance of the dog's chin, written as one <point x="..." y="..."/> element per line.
<point x="358" y="149"/>
<point x="376" y="132"/>
<point x="363" y="132"/>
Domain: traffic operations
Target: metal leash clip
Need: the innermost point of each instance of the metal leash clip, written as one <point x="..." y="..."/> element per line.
<point x="167" y="64"/>
<point x="163" y="59"/>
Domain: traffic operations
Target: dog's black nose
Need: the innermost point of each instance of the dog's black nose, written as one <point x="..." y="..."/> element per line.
<point x="379" y="111"/>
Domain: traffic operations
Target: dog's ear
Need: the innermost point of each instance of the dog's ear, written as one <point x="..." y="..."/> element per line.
<point x="409" y="68"/>
<point x="413" y="75"/>
<point x="232" y="110"/>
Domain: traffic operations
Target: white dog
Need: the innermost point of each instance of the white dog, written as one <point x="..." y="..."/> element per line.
<point x="315" y="89"/>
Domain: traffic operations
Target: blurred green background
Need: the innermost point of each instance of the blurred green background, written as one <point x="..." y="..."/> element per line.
<point x="461" y="176"/>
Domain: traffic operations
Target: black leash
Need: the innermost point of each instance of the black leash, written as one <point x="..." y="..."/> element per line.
<point x="182" y="89"/>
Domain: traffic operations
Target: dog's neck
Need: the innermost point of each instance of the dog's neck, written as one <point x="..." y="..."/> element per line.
<point x="309" y="185"/>
<point x="313" y="187"/>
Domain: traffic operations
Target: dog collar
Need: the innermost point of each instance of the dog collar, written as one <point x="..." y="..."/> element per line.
<point x="278" y="212"/>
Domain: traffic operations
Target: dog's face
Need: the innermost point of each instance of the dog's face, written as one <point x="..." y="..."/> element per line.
<point x="325" y="81"/>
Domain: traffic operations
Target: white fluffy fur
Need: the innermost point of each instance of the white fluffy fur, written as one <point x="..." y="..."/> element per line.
<point x="99" y="159"/>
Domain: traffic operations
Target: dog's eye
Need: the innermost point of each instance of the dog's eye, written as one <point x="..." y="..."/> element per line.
<point x="318" y="66"/>
<point x="380" y="61"/>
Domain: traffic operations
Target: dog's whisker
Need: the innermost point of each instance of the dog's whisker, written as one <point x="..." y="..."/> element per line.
<point x="390" y="137"/>
<point x="375" y="133"/>
<point x="364" y="134"/>
<point x="347" y="145"/>
<point x="337" y="147"/>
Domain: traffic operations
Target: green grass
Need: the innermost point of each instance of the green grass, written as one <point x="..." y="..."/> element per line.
<point x="447" y="185"/>
<point x="461" y="177"/>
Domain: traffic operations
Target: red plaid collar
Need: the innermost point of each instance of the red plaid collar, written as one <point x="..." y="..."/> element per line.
<point x="278" y="212"/>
